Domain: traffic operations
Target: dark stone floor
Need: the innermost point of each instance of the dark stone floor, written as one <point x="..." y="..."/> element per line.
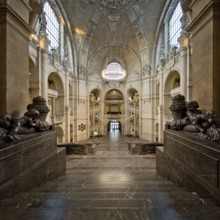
<point x="111" y="185"/>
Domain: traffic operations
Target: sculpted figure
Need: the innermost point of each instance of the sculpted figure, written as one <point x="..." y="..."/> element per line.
<point x="34" y="120"/>
<point x="5" y="126"/>
<point x="196" y="122"/>
<point x="212" y="131"/>
<point x="194" y="118"/>
<point x="30" y="123"/>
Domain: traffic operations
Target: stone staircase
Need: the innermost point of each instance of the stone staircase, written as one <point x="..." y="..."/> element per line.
<point x="111" y="185"/>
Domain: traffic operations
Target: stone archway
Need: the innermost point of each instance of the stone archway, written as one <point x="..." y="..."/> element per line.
<point x="172" y="88"/>
<point x="95" y="112"/>
<point x="133" y="112"/>
<point x="56" y="98"/>
<point x="114" y="109"/>
<point x="114" y="102"/>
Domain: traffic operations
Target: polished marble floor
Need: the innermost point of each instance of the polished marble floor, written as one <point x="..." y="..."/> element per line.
<point x="110" y="185"/>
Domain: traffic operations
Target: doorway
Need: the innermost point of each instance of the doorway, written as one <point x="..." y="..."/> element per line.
<point x="114" y="126"/>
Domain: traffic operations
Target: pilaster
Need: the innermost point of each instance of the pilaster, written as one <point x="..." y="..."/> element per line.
<point x="205" y="29"/>
<point x="14" y="65"/>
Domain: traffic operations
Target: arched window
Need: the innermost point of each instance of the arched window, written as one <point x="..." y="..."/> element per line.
<point x="175" y="26"/>
<point x="52" y="26"/>
<point x="113" y="71"/>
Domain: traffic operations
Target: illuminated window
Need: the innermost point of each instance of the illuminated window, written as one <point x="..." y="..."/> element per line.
<point x="52" y="26"/>
<point x="113" y="71"/>
<point x="175" y="26"/>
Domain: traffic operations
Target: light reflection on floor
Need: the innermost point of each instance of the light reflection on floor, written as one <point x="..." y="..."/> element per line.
<point x="119" y="177"/>
<point x="115" y="177"/>
<point x="114" y="138"/>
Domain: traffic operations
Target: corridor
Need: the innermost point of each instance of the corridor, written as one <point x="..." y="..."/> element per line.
<point x="110" y="185"/>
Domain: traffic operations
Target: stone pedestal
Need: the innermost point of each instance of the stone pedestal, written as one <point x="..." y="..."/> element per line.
<point x="30" y="162"/>
<point x="190" y="162"/>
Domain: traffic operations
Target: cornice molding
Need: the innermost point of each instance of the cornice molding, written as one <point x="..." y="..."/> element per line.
<point x="7" y="12"/>
<point x="26" y="4"/>
<point x="210" y="8"/>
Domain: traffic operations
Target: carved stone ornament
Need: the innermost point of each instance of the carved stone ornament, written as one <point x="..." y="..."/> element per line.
<point x="39" y="103"/>
<point x="178" y="107"/>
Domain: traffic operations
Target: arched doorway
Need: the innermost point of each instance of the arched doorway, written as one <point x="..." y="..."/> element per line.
<point x="114" y="126"/>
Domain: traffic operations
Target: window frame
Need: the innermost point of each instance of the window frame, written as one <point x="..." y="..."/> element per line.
<point x="52" y="27"/>
<point x="175" y="26"/>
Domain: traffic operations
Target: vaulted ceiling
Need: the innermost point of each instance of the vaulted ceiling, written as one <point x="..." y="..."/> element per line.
<point x="122" y="30"/>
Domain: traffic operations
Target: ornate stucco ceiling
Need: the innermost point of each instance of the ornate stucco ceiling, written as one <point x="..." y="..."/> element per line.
<point x="122" y="30"/>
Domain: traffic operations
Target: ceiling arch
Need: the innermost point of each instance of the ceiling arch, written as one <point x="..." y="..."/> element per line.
<point x="121" y="53"/>
<point x="114" y="94"/>
<point x="107" y="22"/>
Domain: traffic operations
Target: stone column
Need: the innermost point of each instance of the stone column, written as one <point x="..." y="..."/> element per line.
<point x="161" y="106"/>
<point x="166" y="39"/>
<point x="62" y="40"/>
<point x="67" y="108"/>
<point x="189" y="73"/>
<point x="44" y="46"/>
<point x="44" y="73"/>
<point x="183" y="59"/>
<point x="14" y="37"/>
<point x="35" y="76"/>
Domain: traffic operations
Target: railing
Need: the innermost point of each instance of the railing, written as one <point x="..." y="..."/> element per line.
<point x="114" y="116"/>
<point x="113" y="113"/>
<point x="94" y="105"/>
<point x="114" y="101"/>
<point x="52" y="93"/>
<point x="132" y="105"/>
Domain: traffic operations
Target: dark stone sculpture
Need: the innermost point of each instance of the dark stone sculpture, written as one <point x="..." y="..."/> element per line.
<point x="11" y="129"/>
<point x="191" y="119"/>
<point x="178" y="107"/>
<point x="39" y="103"/>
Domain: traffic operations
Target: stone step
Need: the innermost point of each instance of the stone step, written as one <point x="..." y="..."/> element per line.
<point x="108" y="186"/>
<point x="76" y="203"/>
<point x="146" y="213"/>
<point x="105" y="200"/>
